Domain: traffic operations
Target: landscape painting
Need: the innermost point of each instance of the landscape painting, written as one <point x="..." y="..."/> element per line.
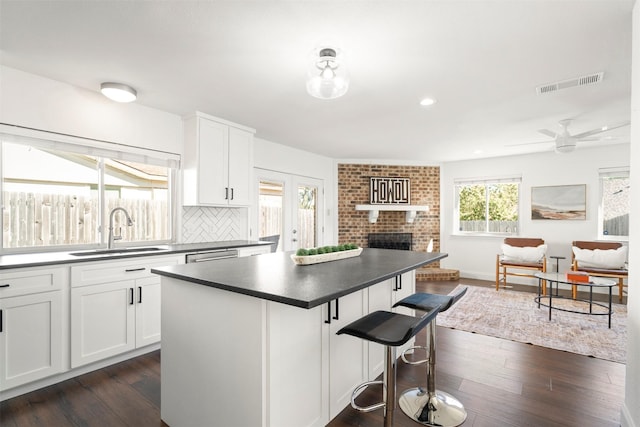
<point x="559" y="202"/>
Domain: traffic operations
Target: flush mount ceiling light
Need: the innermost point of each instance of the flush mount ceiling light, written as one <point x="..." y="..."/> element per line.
<point x="427" y="101"/>
<point x="118" y="92"/>
<point x="327" y="75"/>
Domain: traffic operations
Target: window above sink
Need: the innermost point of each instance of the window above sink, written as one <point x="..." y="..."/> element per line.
<point x="58" y="191"/>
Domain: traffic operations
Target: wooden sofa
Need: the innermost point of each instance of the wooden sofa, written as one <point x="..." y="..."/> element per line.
<point x="619" y="274"/>
<point x="509" y="267"/>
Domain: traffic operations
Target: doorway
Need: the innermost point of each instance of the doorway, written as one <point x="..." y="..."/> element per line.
<point x="289" y="207"/>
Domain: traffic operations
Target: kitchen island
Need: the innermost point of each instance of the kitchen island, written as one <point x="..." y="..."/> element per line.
<point x="251" y="341"/>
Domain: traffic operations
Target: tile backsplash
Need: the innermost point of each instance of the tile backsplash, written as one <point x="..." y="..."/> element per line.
<point x="203" y="224"/>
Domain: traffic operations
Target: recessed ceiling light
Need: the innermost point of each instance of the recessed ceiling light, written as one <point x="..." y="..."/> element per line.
<point x="427" y="101"/>
<point x="478" y="151"/>
<point x="118" y="92"/>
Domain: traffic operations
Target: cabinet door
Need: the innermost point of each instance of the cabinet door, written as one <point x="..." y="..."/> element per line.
<point x="30" y="338"/>
<point x="298" y="368"/>
<point x="240" y="149"/>
<point x="406" y="286"/>
<point x="213" y="164"/>
<point x="379" y="296"/>
<point x="147" y="311"/>
<point x="347" y="354"/>
<point x="102" y="321"/>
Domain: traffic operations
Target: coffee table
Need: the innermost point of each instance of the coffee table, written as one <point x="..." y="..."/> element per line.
<point x="594" y="282"/>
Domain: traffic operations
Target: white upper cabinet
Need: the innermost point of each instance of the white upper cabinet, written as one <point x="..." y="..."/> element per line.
<point x="218" y="162"/>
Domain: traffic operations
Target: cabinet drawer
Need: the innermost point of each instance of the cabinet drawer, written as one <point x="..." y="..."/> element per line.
<point x="254" y="250"/>
<point x="24" y="281"/>
<point x="113" y="271"/>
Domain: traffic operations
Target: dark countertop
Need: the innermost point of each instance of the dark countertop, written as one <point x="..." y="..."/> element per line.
<point x="53" y="258"/>
<point x="275" y="277"/>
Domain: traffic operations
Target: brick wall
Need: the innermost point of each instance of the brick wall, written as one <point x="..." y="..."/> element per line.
<point x="353" y="189"/>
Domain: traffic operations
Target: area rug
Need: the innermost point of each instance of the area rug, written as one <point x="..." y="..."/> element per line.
<point x="515" y="316"/>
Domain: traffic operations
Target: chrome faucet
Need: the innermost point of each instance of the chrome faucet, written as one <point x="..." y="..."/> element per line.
<point x="113" y="238"/>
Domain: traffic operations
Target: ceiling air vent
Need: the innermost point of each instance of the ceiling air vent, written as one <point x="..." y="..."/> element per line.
<point x="578" y="81"/>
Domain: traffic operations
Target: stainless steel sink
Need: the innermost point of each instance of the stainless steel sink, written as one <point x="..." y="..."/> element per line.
<point x="118" y="251"/>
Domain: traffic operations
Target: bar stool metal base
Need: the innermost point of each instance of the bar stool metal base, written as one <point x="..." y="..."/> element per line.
<point x="439" y="409"/>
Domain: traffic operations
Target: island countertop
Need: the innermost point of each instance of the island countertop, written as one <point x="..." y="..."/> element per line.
<point x="275" y="277"/>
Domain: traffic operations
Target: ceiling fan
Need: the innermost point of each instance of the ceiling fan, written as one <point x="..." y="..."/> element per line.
<point x="566" y="142"/>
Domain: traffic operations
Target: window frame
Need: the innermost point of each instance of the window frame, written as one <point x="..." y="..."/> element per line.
<point x="103" y="150"/>
<point x="486" y="181"/>
<point x="616" y="172"/>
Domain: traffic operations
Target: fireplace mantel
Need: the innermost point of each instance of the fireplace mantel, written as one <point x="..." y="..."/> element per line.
<point x="374" y="210"/>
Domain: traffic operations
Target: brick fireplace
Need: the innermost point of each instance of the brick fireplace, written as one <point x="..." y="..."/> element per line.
<point x="354" y="226"/>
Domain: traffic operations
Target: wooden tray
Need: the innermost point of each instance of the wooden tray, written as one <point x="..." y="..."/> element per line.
<point x="333" y="256"/>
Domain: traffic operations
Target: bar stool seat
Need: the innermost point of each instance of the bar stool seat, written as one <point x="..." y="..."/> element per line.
<point x="429" y="406"/>
<point x="391" y="330"/>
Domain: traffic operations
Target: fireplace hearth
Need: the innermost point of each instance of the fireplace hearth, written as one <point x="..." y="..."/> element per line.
<point x="401" y="241"/>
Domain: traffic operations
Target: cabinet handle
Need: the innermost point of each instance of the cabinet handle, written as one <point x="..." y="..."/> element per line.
<point x="231" y="193"/>
<point x="400" y="282"/>
<point x="139" y="294"/>
<point x="395" y="284"/>
<point x="1" y="324"/>
<point x="6" y="285"/>
<point x="226" y="193"/>
<point x="328" y="321"/>
<point x="329" y="316"/>
<point x="130" y="296"/>
<point x="129" y="270"/>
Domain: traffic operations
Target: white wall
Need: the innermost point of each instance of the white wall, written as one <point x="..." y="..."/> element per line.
<point x="475" y="256"/>
<point x="631" y="407"/>
<point x="280" y="158"/>
<point x="41" y="103"/>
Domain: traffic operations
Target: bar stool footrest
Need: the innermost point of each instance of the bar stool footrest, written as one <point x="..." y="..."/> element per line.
<point x="369" y="408"/>
<point x="414" y="362"/>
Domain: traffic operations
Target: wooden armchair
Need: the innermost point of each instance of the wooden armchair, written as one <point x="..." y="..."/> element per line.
<point x="615" y="271"/>
<point x="524" y="265"/>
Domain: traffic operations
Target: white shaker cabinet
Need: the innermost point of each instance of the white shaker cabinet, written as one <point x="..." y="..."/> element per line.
<point x="380" y="297"/>
<point x="218" y="162"/>
<point x="31" y="325"/>
<point x="115" y="307"/>
<point x="347" y="355"/>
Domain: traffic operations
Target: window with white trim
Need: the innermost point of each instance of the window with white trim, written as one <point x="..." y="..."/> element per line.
<point x="58" y="191"/>
<point x="487" y="206"/>
<point x="613" y="212"/>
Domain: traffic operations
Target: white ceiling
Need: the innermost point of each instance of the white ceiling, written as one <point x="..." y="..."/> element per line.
<point x="246" y="61"/>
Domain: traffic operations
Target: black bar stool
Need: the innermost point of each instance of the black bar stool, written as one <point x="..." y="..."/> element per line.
<point x="429" y="406"/>
<point x="391" y="330"/>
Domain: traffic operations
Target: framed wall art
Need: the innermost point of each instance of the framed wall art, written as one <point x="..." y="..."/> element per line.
<point x="559" y="202"/>
<point x="384" y="191"/>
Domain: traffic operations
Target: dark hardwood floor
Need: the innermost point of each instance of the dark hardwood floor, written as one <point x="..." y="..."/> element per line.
<point x="500" y="383"/>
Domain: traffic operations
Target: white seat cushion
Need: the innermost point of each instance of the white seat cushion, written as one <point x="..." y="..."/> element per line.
<point x="528" y="254"/>
<point x="612" y="259"/>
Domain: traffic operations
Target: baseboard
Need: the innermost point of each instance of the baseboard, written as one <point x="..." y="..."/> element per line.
<point x="625" y="417"/>
<point x="63" y="376"/>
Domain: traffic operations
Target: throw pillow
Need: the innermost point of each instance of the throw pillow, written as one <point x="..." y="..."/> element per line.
<point x="526" y="254"/>
<point x="612" y="259"/>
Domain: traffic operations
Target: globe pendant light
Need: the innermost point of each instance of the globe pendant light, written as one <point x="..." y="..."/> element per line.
<point x="327" y="76"/>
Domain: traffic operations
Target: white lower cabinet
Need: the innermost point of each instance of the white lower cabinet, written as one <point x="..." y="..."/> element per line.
<point x="298" y="386"/>
<point x="31" y="325"/>
<point x="347" y="354"/>
<point x="316" y="371"/>
<point x="30" y="338"/>
<point x="380" y="297"/>
<point x="115" y="307"/>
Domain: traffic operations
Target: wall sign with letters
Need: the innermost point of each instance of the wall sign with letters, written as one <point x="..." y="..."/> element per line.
<point x="389" y="190"/>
